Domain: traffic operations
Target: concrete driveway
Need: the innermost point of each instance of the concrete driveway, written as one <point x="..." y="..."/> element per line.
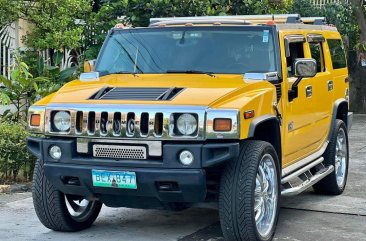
<point x="304" y="217"/>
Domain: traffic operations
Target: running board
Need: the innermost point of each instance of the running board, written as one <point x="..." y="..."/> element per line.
<point x="308" y="180"/>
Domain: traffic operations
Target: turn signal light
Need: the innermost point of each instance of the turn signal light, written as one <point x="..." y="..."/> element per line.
<point x="249" y="114"/>
<point x="222" y="124"/>
<point x="35" y="120"/>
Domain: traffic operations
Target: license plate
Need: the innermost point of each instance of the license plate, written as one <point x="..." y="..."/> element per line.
<point x="114" y="179"/>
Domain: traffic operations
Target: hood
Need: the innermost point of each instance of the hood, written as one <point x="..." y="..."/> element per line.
<point x="193" y="89"/>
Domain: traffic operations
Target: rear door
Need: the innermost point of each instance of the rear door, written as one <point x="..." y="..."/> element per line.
<point x="321" y="89"/>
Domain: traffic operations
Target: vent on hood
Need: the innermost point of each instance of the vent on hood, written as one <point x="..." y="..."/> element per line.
<point x="108" y="93"/>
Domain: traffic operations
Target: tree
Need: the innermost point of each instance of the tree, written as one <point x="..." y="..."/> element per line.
<point x="360" y="72"/>
<point x="54" y="23"/>
<point x="9" y="11"/>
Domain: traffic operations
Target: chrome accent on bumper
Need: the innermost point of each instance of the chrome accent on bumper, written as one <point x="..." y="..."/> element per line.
<point x="212" y="114"/>
<point x="155" y="148"/>
<point x="37" y="110"/>
<point x="349" y="120"/>
<point x="120" y="152"/>
<point x="137" y="110"/>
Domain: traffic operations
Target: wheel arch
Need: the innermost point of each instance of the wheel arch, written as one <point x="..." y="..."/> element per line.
<point x="340" y="111"/>
<point x="267" y="128"/>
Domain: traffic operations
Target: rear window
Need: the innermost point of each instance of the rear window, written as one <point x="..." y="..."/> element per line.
<point x="337" y="53"/>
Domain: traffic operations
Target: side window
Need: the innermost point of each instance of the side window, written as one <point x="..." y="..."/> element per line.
<point x="337" y="53"/>
<point x="296" y="51"/>
<point x="317" y="54"/>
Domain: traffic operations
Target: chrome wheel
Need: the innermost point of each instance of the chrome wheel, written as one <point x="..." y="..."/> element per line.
<point x="266" y="195"/>
<point x="79" y="209"/>
<point x="341" y="154"/>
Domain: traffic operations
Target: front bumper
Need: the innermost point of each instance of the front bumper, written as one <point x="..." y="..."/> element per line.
<point x="159" y="180"/>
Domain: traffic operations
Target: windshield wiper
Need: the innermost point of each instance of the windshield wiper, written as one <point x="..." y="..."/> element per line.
<point x="190" y="72"/>
<point x="104" y="73"/>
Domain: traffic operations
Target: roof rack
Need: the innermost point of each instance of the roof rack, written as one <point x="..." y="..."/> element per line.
<point x="246" y="19"/>
<point x="239" y="20"/>
<point x="314" y="20"/>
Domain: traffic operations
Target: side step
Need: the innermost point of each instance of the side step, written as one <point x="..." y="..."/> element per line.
<point x="302" y="179"/>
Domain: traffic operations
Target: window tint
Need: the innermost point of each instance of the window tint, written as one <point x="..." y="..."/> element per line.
<point x="296" y="51"/>
<point x="337" y="53"/>
<point x="317" y="54"/>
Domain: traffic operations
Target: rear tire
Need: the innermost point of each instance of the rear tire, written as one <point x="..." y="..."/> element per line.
<point x="249" y="193"/>
<point x="58" y="211"/>
<point x="337" y="154"/>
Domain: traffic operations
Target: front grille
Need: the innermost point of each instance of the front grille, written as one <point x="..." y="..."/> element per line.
<point x="119" y="152"/>
<point x="125" y="121"/>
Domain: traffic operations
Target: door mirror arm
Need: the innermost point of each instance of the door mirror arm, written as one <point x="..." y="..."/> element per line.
<point x="293" y="92"/>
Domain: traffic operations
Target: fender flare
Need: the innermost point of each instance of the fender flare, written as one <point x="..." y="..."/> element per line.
<point x="257" y="121"/>
<point x="336" y="105"/>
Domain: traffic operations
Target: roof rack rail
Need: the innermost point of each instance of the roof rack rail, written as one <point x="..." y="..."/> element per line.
<point x="254" y="19"/>
<point x="314" y="20"/>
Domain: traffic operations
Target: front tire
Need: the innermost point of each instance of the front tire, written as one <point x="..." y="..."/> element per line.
<point x="337" y="154"/>
<point x="249" y="193"/>
<point x="58" y="211"/>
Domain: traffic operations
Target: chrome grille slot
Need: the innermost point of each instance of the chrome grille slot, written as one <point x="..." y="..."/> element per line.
<point x="144" y="124"/>
<point x="119" y="152"/>
<point x="117" y="123"/>
<point x="103" y="123"/>
<point x="91" y="122"/>
<point x="79" y="122"/>
<point x="130" y="125"/>
<point x="158" y="125"/>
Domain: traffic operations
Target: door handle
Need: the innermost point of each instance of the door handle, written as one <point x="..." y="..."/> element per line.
<point x="330" y="85"/>
<point x="309" y="91"/>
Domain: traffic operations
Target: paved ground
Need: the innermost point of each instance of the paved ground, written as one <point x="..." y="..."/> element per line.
<point x="305" y="217"/>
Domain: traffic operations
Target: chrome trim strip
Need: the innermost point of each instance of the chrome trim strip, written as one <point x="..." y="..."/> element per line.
<point x="308" y="183"/>
<point x="302" y="170"/>
<point x="98" y="109"/>
<point x="38" y="110"/>
<point x="298" y="164"/>
<point x="255" y="77"/>
<point x="155" y="148"/>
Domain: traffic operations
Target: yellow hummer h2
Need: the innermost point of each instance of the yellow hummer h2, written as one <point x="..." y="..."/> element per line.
<point x="236" y="110"/>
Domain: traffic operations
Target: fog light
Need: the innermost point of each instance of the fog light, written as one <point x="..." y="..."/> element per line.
<point x="55" y="152"/>
<point x="186" y="158"/>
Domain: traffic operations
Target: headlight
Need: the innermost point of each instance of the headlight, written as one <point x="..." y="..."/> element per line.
<point x="187" y="124"/>
<point x="62" y="121"/>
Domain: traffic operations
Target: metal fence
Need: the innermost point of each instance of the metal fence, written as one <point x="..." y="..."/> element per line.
<point x="320" y="3"/>
<point x="9" y="42"/>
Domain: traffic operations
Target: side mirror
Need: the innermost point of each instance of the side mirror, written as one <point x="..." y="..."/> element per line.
<point x="303" y="68"/>
<point x="89" y="66"/>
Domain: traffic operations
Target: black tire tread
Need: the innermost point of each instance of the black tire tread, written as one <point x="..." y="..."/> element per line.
<point x="50" y="207"/>
<point x="235" y="202"/>
<point x="328" y="185"/>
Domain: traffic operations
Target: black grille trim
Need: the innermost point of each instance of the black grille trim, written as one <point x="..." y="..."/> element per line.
<point x="136" y="93"/>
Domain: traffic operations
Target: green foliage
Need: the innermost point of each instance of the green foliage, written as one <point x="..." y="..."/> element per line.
<point x="14" y="157"/>
<point x="305" y="8"/>
<point x="9" y="11"/>
<point x="20" y="89"/>
<point x="54" y="23"/>
<point x="341" y="15"/>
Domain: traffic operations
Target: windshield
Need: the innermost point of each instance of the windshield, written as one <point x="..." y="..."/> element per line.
<point x="223" y="50"/>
